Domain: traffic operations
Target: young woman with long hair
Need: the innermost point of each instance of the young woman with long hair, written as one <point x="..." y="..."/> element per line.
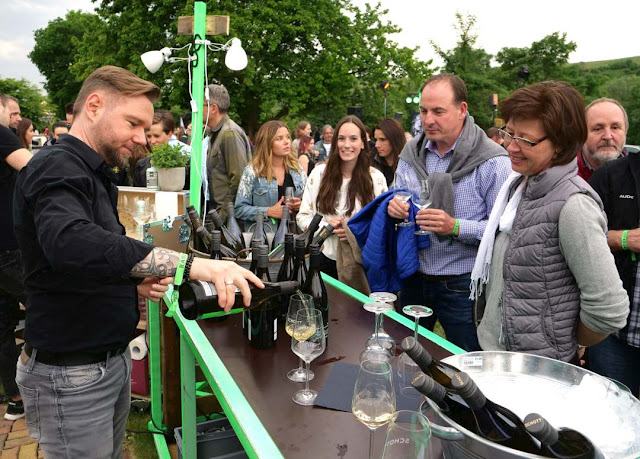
<point x="390" y="140"/>
<point x="25" y="132"/>
<point x="274" y="168"/>
<point x="342" y="186"/>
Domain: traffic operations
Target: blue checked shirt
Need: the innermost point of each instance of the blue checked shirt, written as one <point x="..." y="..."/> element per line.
<point x="632" y="336"/>
<point x="474" y="195"/>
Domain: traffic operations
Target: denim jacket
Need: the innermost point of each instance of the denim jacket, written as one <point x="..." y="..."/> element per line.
<point x="256" y="194"/>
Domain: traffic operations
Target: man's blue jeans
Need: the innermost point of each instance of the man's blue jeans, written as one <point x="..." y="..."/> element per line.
<point x="77" y="411"/>
<point x="450" y="302"/>
<point x="617" y="360"/>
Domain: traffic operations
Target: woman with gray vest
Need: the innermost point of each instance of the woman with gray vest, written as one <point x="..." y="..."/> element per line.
<point x="545" y="281"/>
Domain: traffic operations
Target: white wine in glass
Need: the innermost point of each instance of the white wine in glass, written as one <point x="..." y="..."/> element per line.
<point x="403" y="196"/>
<point x="423" y="201"/>
<point x="374" y="400"/>
<point x="297" y="302"/>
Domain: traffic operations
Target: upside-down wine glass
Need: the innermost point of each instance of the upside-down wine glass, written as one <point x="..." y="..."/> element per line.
<point x="298" y="302"/>
<point x="308" y="342"/>
<point x="374" y="349"/>
<point x="406" y="366"/>
<point x="383" y="337"/>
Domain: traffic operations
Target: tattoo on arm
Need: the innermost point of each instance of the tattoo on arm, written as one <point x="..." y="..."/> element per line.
<point x="158" y="263"/>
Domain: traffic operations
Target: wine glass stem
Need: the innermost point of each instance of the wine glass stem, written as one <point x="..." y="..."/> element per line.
<point x="306" y="379"/>
<point x="415" y="334"/>
<point x="300" y="370"/>
<point x="371" y="433"/>
<point x="377" y="325"/>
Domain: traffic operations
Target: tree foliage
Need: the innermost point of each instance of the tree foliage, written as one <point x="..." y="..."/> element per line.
<point x="299" y="66"/>
<point x="473" y="65"/>
<point x="55" y="51"/>
<point x="33" y="104"/>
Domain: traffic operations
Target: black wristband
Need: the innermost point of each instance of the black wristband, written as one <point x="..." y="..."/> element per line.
<point x="187" y="267"/>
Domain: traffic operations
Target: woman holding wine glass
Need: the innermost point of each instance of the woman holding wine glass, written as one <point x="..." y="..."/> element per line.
<point x="274" y="168"/>
<point x="342" y="186"/>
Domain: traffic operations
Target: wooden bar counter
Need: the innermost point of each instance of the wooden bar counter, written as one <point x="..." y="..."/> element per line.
<point x="261" y="375"/>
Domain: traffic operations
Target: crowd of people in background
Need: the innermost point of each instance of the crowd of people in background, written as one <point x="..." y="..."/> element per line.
<point x="532" y="227"/>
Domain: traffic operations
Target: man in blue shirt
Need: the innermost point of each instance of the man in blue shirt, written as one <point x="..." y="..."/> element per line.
<point x="465" y="171"/>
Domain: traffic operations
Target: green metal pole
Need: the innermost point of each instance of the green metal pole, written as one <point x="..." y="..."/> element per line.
<point x="197" y="89"/>
<point x="155" y="356"/>
<point x="188" y="389"/>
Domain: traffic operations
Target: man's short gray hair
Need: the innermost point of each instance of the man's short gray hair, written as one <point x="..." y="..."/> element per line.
<point x="614" y="102"/>
<point x="5" y="98"/>
<point x="325" y="127"/>
<point x="219" y="96"/>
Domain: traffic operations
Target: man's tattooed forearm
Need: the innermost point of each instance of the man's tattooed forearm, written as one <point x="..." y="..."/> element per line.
<point x="159" y="263"/>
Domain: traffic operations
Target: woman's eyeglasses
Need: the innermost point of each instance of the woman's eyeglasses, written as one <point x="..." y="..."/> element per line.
<point x="520" y="141"/>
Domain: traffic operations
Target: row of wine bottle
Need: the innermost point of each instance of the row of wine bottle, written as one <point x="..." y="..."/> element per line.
<point x="457" y="396"/>
<point x="268" y="305"/>
<point x="232" y="239"/>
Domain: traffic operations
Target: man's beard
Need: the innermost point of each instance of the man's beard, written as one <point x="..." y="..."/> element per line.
<point x="605" y="156"/>
<point x="110" y="152"/>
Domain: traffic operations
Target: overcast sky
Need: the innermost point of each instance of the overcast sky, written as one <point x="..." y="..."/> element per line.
<point x="602" y="30"/>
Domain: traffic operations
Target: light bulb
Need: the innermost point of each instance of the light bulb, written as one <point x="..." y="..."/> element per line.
<point x="236" y="58"/>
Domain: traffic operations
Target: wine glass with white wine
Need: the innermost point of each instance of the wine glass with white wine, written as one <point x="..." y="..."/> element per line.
<point x="298" y="302"/>
<point x="374" y="400"/>
<point x="403" y="196"/>
<point x="423" y="201"/>
<point x="308" y="342"/>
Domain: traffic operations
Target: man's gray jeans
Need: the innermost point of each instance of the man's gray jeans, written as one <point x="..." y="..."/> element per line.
<point x="77" y="411"/>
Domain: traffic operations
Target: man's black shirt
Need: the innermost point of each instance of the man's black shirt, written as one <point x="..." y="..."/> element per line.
<point x="8" y="144"/>
<point x="75" y="254"/>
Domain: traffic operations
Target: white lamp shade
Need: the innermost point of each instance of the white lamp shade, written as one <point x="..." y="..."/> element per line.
<point x="236" y="58"/>
<point x="153" y="60"/>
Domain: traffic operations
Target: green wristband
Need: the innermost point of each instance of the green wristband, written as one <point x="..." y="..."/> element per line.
<point x="182" y="263"/>
<point x="623" y="240"/>
<point x="456" y="227"/>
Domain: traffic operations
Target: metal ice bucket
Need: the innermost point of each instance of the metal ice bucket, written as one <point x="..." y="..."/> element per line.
<point x="566" y="395"/>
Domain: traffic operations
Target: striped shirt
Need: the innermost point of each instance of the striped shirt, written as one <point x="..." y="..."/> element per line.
<point x="474" y="194"/>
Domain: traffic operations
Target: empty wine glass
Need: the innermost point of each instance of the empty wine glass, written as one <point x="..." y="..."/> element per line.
<point x="289" y="195"/>
<point x="374" y="400"/>
<point x="308" y="342"/>
<point x="403" y="196"/>
<point x="408" y="436"/>
<point x="406" y="366"/>
<point x="374" y="349"/>
<point x="383" y="337"/>
<point x="423" y="201"/>
<point x="298" y="302"/>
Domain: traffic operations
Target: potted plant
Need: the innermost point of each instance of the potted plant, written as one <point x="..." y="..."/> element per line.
<point x="170" y="162"/>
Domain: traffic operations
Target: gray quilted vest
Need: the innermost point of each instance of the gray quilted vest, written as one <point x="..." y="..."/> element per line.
<point x="541" y="299"/>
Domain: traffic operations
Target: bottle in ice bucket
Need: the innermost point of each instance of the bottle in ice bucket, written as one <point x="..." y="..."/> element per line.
<point x="563" y="442"/>
<point x="232" y="224"/>
<point x="493" y="422"/>
<point x="441" y="372"/>
<point x="315" y="287"/>
<point x="449" y="403"/>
